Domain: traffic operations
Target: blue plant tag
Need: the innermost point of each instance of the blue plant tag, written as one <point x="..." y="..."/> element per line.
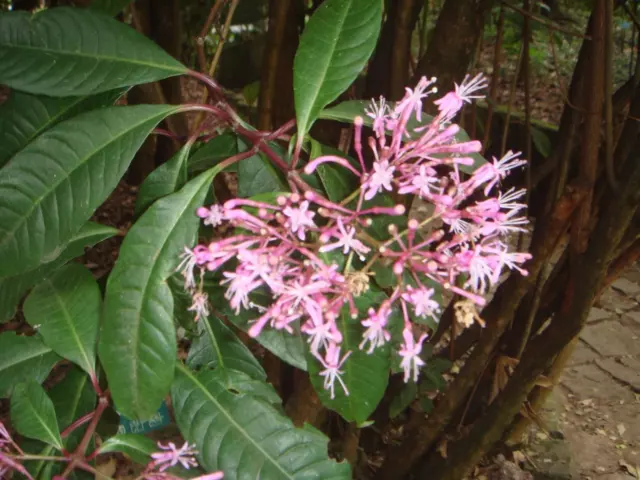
<point x="158" y="421"/>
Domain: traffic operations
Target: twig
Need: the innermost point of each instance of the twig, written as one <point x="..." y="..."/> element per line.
<point x="216" y="57"/>
<point x="551" y="25"/>
<point x="512" y="95"/>
<point x="608" y="95"/>
<point x="526" y="60"/>
<point x="495" y="74"/>
<point x="200" y="39"/>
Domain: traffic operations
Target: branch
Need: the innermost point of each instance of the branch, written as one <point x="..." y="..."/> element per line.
<point x="549" y="24"/>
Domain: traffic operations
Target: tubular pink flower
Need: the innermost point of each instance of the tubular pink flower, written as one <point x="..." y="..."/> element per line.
<point x="170" y="456"/>
<point x="200" y="305"/>
<point x="346" y="241"/>
<point x="452" y="102"/>
<point x="422" y="301"/>
<point x="410" y="353"/>
<point x="380" y="178"/>
<point x="300" y="219"/>
<point x="332" y="365"/>
<point x="376" y="333"/>
<point x="213" y="215"/>
<point x="313" y="164"/>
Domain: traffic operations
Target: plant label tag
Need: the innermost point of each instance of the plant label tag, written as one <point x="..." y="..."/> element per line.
<point x="159" y="420"/>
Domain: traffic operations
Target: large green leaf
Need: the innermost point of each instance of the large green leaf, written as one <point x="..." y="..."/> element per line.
<point x="23" y="358"/>
<point x="33" y="415"/>
<point x="347" y="111"/>
<point x="138" y="339"/>
<point x="51" y="187"/>
<point x="66" y="310"/>
<point x="257" y="175"/>
<point x="218" y="347"/>
<point x="138" y="447"/>
<point x="365" y="375"/>
<point x="244" y="435"/>
<point x="165" y="179"/>
<point x="71" y="51"/>
<point x="13" y="288"/>
<point x="335" y="46"/>
<point x="214" y="151"/>
<point x="23" y="116"/>
<point x="72" y="398"/>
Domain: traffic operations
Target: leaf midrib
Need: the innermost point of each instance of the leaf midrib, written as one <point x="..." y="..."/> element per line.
<point x="67" y="317"/>
<point x="10" y="234"/>
<point x="326" y="67"/>
<point x="36" y="414"/>
<point x="98" y="57"/>
<point x="206" y="177"/>
<point x="7" y="366"/>
<point x="231" y="420"/>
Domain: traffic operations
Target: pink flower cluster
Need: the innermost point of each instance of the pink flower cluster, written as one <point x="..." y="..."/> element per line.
<point x="169" y="456"/>
<point x="282" y="249"/>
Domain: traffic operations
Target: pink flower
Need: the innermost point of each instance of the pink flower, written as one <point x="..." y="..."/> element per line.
<point x="492" y="172"/>
<point x="376" y="333"/>
<point x="346" y="241"/>
<point x="300" y="218"/>
<point x="410" y="353"/>
<point x="171" y="456"/>
<point x="241" y="284"/>
<point x="452" y="102"/>
<point x="380" y="113"/>
<point x="380" y="178"/>
<point x="422" y="183"/>
<point x="213" y="216"/>
<point x="422" y="301"/>
<point x="332" y="364"/>
<point x="412" y="100"/>
<point x="200" y="305"/>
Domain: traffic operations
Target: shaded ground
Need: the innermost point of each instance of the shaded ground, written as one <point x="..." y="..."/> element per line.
<point x="597" y="404"/>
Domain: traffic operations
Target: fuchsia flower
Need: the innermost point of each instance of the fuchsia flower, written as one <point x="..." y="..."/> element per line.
<point x="278" y="247"/>
<point x="170" y="456"/>
<point x="332" y="364"/>
<point x="410" y="353"/>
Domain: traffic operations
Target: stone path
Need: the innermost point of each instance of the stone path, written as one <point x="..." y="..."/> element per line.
<point x="597" y="404"/>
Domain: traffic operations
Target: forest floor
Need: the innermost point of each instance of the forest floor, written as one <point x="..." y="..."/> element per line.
<point x="596" y="406"/>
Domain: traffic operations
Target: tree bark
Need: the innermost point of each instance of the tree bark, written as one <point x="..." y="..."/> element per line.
<point x="454" y="41"/>
<point x="388" y="72"/>
<point x="275" y="102"/>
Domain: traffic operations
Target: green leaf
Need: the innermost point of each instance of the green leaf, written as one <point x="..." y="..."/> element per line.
<point x="402" y="401"/>
<point x="72" y="398"/>
<point x="33" y="415"/>
<point x="218" y="347"/>
<point x="347" y="111"/>
<point x="365" y="375"/>
<point x="138" y="447"/>
<point x="257" y="175"/>
<point x="335" y="46"/>
<point x="264" y="442"/>
<point x="214" y="151"/>
<point x="541" y="141"/>
<point x="52" y="187"/>
<point x="71" y="51"/>
<point x="65" y="309"/>
<point x="23" y="117"/>
<point x="23" y="358"/>
<point x="337" y="181"/>
<point x="138" y="340"/>
<point x="164" y="180"/>
<point x="109" y="7"/>
<point x="13" y="288"/>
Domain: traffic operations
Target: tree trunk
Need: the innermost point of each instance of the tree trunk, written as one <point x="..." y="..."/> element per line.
<point x="388" y="71"/>
<point x="454" y="41"/>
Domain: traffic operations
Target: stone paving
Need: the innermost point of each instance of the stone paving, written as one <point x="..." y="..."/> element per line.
<point x="597" y="404"/>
